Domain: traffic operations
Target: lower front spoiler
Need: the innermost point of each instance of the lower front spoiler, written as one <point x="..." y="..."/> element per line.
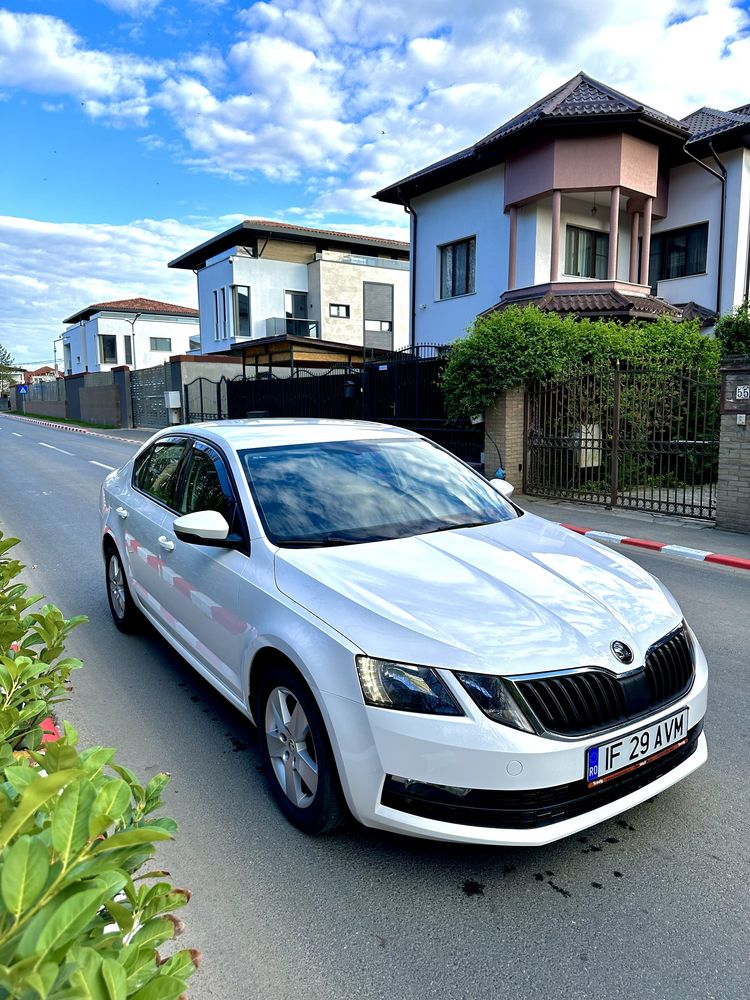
<point x="386" y="817"/>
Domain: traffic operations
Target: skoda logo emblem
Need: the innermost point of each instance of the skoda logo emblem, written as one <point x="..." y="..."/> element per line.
<point x="623" y="653"/>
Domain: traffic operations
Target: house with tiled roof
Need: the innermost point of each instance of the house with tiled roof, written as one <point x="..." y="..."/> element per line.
<point x="263" y="280"/>
<point x="589" y="203"/>
<point x="139" y="333"/>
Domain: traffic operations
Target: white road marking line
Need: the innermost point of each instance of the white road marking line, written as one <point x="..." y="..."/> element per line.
<point x="102" y="465"/>
<point x="16" y="434"/>
<point x="61" y="450"/>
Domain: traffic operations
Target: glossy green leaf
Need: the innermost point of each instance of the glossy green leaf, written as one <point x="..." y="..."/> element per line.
<point x="112" y="799"/>
<point x="33" y="798"/>
<point x="56" y="926"/>
<point x="131" y="838"/>
<point x="25" y="872"/>
<point x="70" y="820"/>
<point x="161" y="988"/>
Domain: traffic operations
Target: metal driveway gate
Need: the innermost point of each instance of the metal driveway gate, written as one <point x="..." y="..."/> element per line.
<point x="147" y="388"/>
<point x="641" y="438"/>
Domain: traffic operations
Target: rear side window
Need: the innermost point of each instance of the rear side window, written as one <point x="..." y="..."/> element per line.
<point x="156" y="471"/>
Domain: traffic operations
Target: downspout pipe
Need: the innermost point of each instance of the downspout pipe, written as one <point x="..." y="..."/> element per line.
<point x="413" y="270"/>
<point x="721" y="176"/>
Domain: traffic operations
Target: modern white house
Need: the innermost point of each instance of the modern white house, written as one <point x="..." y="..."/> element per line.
<point x="589" y="203"/>
<point x="139" y="333"/>
<point x="264" y="279"/>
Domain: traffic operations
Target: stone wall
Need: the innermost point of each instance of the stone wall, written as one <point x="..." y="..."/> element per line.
<point x="503" y="431"/>
<point x="733" y="487"/>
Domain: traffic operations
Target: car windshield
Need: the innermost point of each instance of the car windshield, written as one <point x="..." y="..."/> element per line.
<point x="344" y="492"/>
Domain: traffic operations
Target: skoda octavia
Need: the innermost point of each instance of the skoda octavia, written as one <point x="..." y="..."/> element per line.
<point x="413" y="647"/>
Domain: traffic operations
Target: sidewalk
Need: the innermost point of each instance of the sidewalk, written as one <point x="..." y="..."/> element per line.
<point x="687" y="533"/>
<point x="130" y="435"/>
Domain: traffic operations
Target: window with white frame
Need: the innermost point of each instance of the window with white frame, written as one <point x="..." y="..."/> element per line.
<point x="458" y="268"/>
<point x="107" y="349"/>
<point x="161" y="343"/>
<point x="128" y="350"/>
<point x="241" y="310"/>
<point x="338" y="310"/>
<point x="224" y="332"/>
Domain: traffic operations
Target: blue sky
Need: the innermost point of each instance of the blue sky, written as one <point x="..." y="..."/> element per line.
<point x="134" y="129"/>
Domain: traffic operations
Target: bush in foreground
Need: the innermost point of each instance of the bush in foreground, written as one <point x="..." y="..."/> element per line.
<point x="79" y="918"/>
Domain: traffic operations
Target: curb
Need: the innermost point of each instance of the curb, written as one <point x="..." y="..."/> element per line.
<point x="73" y="427"/>
<point x="681" y="551"/>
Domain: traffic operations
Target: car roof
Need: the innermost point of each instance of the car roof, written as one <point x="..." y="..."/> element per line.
<point x="277" y="431"/>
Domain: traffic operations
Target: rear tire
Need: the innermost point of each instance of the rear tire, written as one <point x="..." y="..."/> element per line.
<point x="125" y="614"/>
<point x="297" y="756"/>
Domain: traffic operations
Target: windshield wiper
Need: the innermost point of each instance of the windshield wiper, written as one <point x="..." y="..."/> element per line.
<point x="458" y="524"/>
<point x="320" y="543"/>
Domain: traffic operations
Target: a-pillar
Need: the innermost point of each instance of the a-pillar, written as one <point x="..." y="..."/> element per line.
<point x="646" y="241"/>
<point x="614" y="233"/>
<point x="634" y="225"/>
<point x="512" y="246"/>
<point x="554" y="265"/>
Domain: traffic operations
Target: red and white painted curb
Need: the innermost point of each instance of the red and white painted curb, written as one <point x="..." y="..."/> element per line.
<point x="681" y="551"/>
<point x="72" y="427"/>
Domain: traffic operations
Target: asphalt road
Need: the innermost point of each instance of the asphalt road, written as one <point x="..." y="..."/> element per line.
<point x="654" y="904"/>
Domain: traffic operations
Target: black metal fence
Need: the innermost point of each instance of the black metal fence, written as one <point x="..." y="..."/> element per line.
<point x="402" y="388"/>
<point x="642" y="438"/>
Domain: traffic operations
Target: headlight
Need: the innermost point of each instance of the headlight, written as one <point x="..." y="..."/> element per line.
<point x="493" y="697"/>
<point x="404" y="687"/>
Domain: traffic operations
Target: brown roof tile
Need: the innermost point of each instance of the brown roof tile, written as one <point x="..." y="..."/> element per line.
<point x="139" y="305"/>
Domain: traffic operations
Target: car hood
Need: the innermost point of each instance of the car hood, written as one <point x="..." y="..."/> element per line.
<point x="521" y="596"/>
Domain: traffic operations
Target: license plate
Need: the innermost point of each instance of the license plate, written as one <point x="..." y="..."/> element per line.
<point x="610" y="760"/>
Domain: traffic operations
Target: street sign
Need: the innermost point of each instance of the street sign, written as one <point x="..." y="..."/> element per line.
<point x="23" y="390"/>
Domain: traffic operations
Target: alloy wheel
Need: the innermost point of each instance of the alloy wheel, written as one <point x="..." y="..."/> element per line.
<point x="291" y="747"/>
<point x="116" y="581"/>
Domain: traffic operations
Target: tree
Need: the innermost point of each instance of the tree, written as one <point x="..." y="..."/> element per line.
<point x="733" y="330"/>
<point x="8" y="369"/>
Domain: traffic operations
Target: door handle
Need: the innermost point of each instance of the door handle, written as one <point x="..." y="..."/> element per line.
<point x="121" y="512"/>
<point x="165" y="543"/>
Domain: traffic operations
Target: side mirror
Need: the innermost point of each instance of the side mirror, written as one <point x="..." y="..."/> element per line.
<point x="502" y="486"/>
<point x="204" y="527"/>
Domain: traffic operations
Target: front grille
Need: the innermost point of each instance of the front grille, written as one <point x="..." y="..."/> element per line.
<point x="593" y="700"/>
<point x="526" y="810"/>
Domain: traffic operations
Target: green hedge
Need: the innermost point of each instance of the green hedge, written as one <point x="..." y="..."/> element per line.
<point x="518" y="346"/>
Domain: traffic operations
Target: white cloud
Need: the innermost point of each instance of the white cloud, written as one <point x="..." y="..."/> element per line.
<point x="44" y="55"/>
<point x="135" y="8"/>
<point x="50" y="270"/>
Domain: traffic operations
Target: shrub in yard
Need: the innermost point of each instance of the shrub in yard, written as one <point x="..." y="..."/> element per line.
<point x="518" y="346"/>
<point x="78" y="916"/>
<point x="733" y="330"/>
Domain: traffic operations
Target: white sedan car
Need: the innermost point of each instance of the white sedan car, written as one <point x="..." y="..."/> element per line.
<point x="413" y="648"/>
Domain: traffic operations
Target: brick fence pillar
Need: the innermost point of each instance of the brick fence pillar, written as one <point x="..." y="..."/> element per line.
<point x="503" y="431"/>
<point x="733" y="486"/>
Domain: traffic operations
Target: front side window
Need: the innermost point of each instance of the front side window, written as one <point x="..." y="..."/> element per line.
<point x="241" y="304"/>
<point x="341" y="492"/>
<point x="129" y="351"/>
<point x="161" y="344"/>
<point x="156" y="471"/>
<point x="217" y="331"/>
<point x="203" y="489"/>
<point x="457" y="268"/>
<point x="338" y="310"/>
<point x="586" y="252"/>
<point x="107" y="350"/>
<point x="678" y="253"/>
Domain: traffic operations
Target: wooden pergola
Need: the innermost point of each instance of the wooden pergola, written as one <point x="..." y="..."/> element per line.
<point x="287" y="351"/>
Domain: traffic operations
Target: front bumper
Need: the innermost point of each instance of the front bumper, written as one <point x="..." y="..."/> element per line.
<point x="473" y="781"/>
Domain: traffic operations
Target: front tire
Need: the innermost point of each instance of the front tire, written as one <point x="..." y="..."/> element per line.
<point x="125" y="614"/>
<point x="297" y="756"/>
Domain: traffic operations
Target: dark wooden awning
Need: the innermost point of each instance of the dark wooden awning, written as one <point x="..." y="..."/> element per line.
<point x="287" y="351"/>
